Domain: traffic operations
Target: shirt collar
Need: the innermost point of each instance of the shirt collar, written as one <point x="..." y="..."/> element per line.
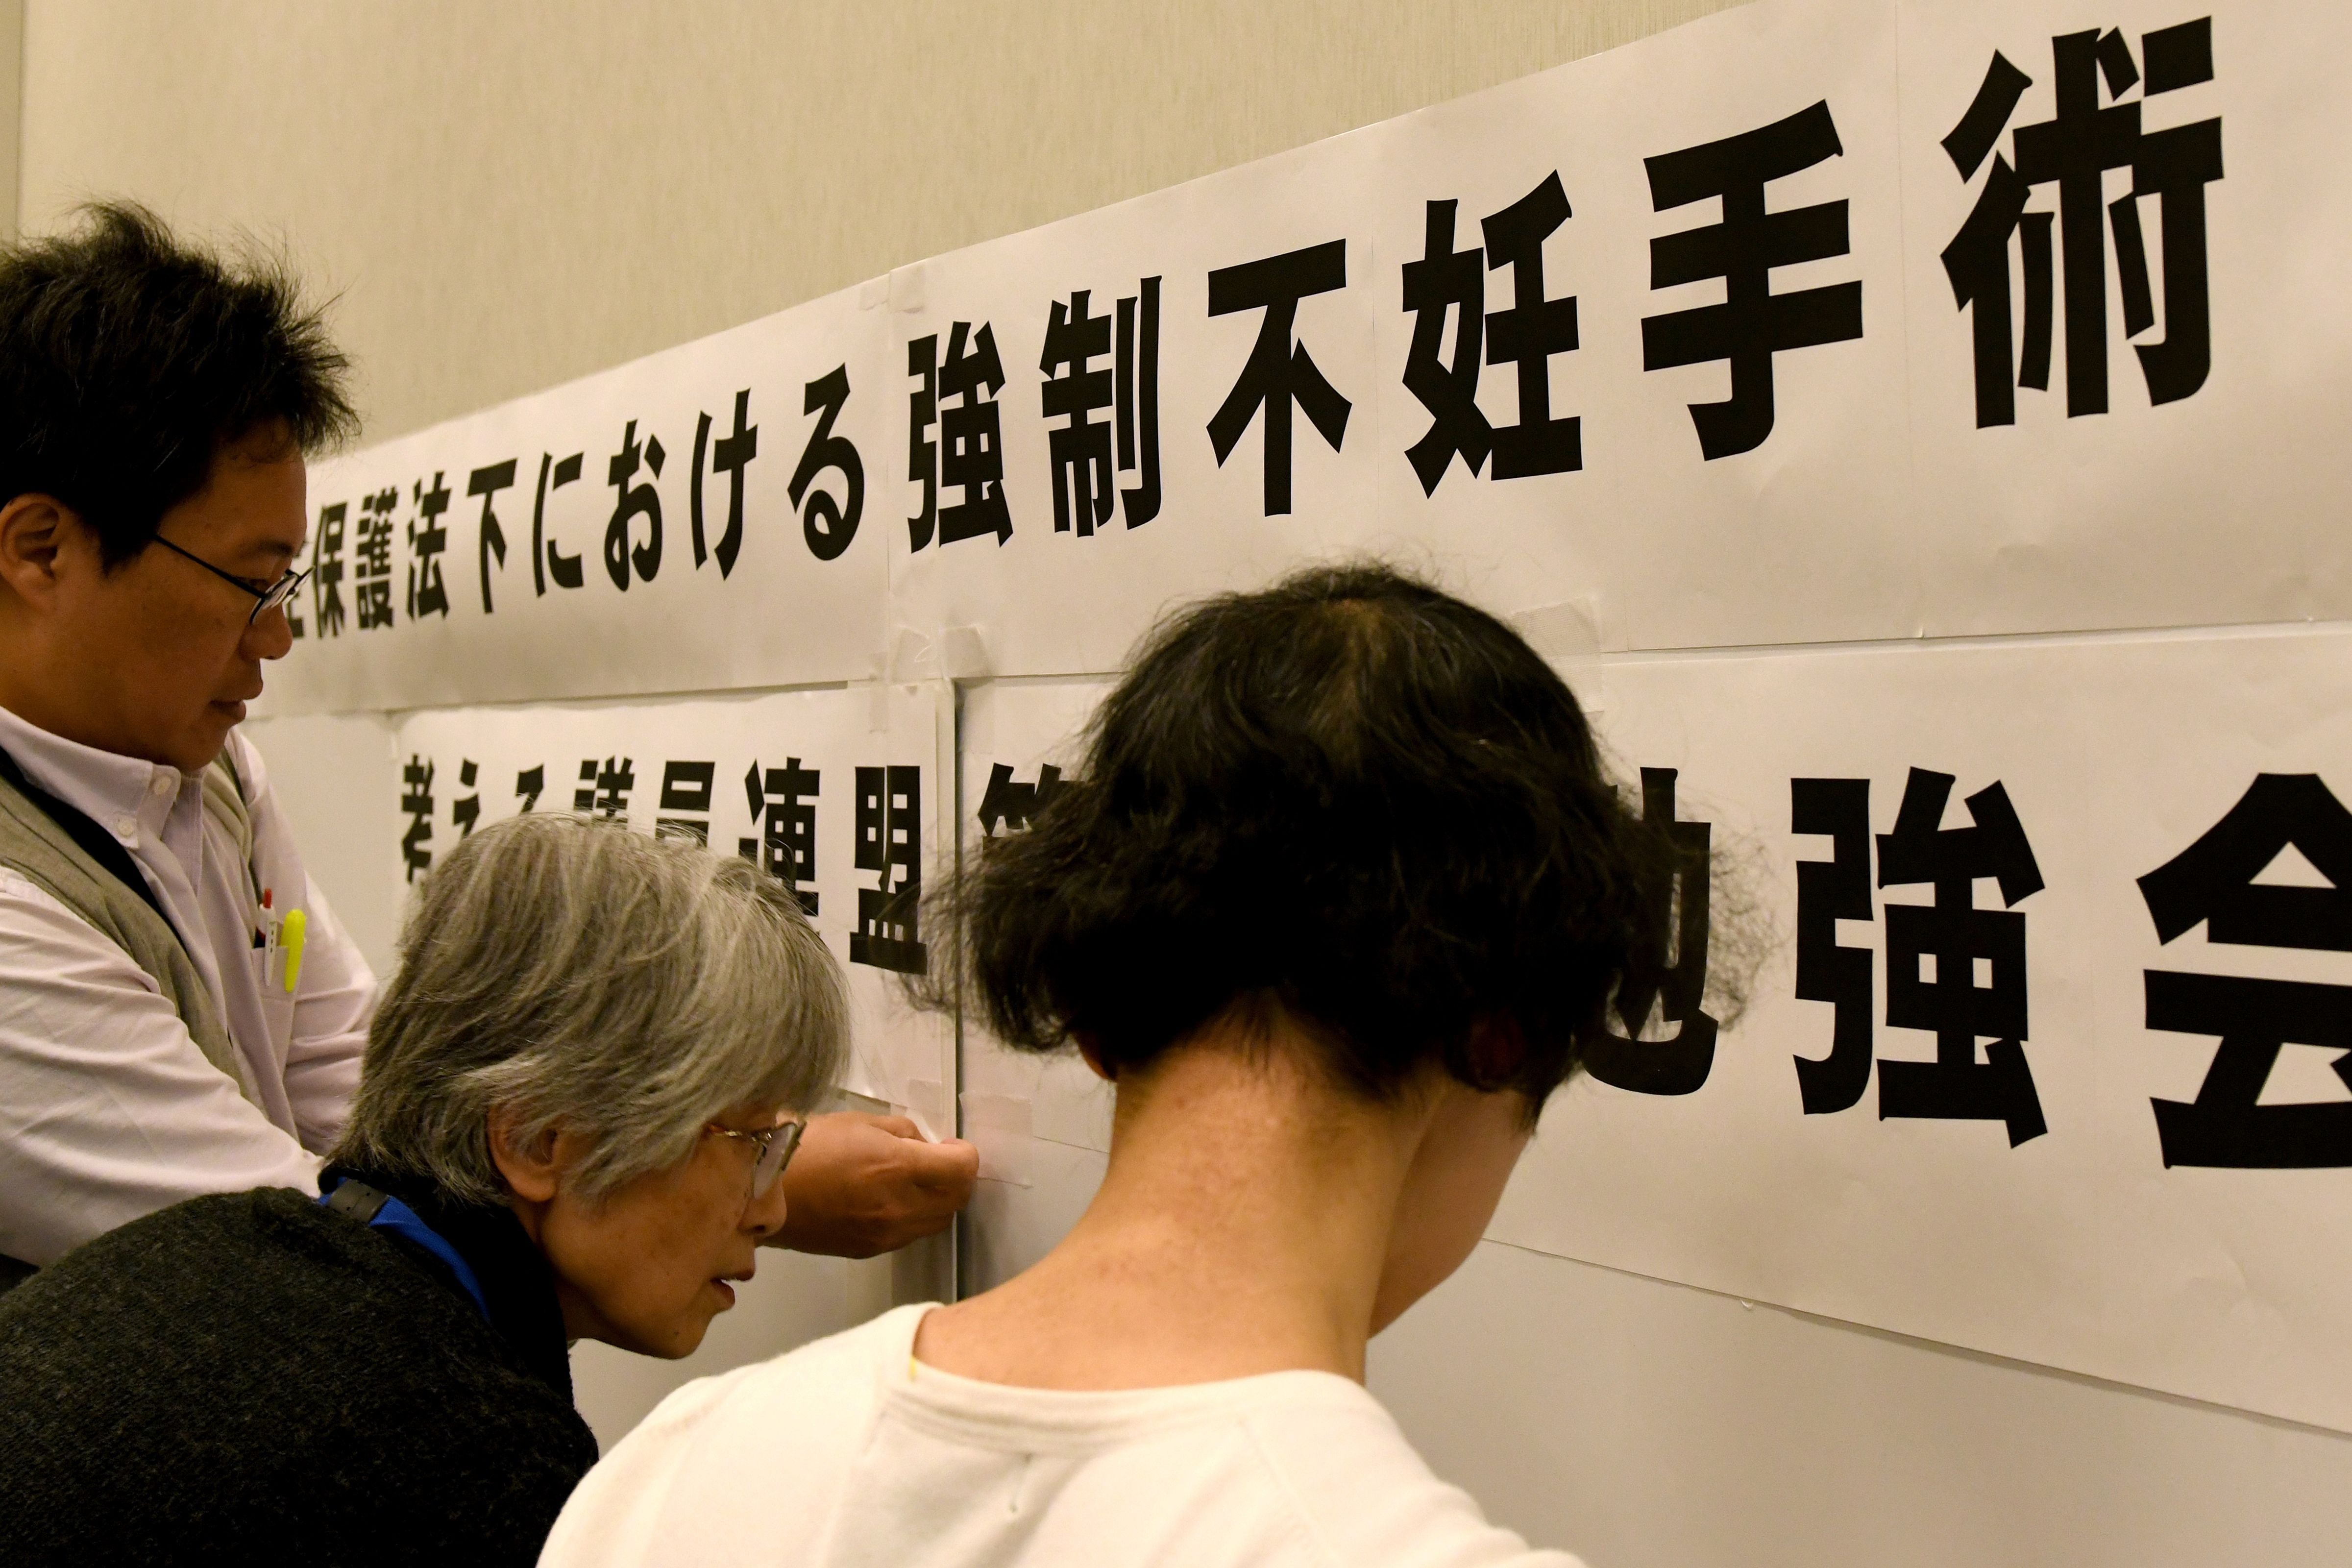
<point x="104" y="786"/>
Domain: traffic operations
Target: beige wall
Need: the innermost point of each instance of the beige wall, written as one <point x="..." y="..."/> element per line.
<point x="511" y="195"/>
<point x="11" y="120"/>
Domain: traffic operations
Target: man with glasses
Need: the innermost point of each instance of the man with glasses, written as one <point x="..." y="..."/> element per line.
<point x="156" y="408"/>
<point x="162" y="1032"/>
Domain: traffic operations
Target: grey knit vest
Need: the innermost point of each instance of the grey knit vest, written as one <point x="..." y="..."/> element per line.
<point x="38" y="849"/>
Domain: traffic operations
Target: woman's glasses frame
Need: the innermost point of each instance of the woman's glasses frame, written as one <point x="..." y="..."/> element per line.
<point x="776" y="1146"/>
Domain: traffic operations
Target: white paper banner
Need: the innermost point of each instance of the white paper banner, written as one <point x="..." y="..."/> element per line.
<point x="1814" y="321"/>
<point x="836" y="792"/>
<point x="676" y="524"/>
<point x="2137" y="1199"/>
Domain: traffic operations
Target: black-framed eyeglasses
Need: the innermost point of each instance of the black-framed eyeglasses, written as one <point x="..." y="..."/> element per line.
<point x="776" y="1146"/>
<point x="264" y="599"/>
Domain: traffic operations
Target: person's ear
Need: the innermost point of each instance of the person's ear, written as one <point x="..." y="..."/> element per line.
<point x="1497" y="1049"/>
<point x="531" y="1168"/>
<point x="1090" y="1052"/>
<point x="34" y="529"/>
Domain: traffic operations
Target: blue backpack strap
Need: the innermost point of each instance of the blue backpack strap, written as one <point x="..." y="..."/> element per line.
<point x="381" y="1211"/>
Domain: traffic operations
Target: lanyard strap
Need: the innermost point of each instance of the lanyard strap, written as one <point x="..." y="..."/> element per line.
<point x="381" y="1211"/>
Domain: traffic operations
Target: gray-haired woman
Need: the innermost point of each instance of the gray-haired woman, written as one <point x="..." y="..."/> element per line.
<point x="578" y="1093"/>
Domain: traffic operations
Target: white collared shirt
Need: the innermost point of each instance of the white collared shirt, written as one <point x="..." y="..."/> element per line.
<point x="108" y="1108"/>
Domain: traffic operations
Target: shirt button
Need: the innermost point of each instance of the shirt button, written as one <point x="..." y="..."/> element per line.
<point x="126" y="828"/>
<point x="162" y="785"/>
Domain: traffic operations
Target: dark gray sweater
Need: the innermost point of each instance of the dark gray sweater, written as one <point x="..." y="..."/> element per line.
<point x="251" y="1377"/>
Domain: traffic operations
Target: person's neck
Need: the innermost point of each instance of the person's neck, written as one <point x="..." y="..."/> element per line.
<point x="1242" y="1227"/>
<point x="34" y="688"/>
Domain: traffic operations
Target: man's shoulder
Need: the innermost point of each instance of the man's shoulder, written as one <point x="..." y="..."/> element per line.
<point x="30" y="908"/>
<point x="43" y="870"/>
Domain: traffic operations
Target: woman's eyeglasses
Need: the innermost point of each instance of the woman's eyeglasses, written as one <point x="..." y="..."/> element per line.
<point x="776" y="1146"/>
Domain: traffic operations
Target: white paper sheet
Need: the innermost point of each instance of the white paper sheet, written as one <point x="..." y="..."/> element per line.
<point x="900" y="1055"/>
<point x="777" y="616"/>
<point x="2220" y="506"/>
<point x="2077" y="1249"/>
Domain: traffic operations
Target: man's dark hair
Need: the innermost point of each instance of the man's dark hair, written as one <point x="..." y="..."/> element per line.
<point x="1350" y="794"/>
<point x="129" y="358"/>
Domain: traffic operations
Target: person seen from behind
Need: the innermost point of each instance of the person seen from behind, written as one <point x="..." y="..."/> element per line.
<point x="1336" y="905"/>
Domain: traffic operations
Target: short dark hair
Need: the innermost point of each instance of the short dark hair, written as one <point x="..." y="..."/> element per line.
<point x="1351" y="795"/>
<point x="129" y="358"/>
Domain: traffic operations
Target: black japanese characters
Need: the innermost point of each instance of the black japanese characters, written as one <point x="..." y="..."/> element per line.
<point x="890" y="844"/>
<point x="2215" y="881"/>
<point x="958" y="396"/>
<point x="466" y="809"/>
<point x="327" y="570"/>
<point x="633" y="499"/>
<point x="2075" y="149"/>
<point x="1952" y="969"/>
<point x="730" y="456"/>
<point x="1279" y="372"/>
<point x="1669" y="971"/>
<point x="783" y="803"/>
<point x="546" y="560"/>
<point x="1752" y="323"/>
<point x="605" y="787"/>
<point x="372" y="550"/>
<point x="1011" y="804"/>
<point x="1084" y="462"/>
<point x="487" y="482"/>
<point x="417" y="801"/>
<point x="826" y="524"/>
<point x="1527" y="334"/>
<point x="686" y="801"/>
<point x="428" y="538"/>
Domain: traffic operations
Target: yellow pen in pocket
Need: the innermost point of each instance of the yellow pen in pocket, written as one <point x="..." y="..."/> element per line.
<point x="289" y="941"/>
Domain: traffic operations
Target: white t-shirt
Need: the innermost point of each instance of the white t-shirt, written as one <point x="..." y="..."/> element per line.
<point x="847" y="1452"/>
